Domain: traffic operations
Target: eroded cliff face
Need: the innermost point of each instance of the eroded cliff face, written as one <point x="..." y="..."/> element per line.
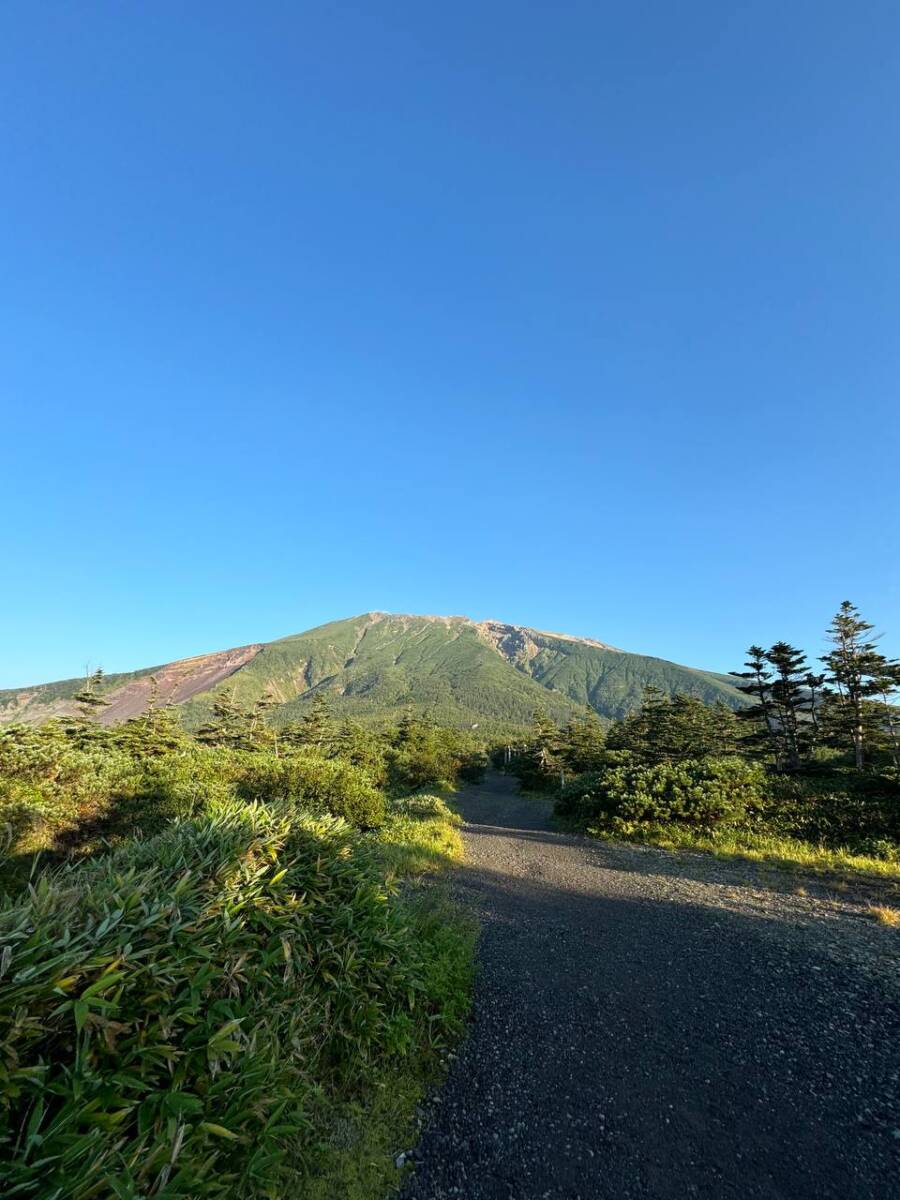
<point x="174" y="683"/>
<point x="519" y="645"/>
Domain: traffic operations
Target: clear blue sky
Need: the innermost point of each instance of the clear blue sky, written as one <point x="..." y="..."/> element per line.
<point x="578" y="315"/>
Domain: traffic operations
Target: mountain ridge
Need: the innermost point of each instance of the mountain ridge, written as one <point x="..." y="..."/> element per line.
<point x="376" y="664"/>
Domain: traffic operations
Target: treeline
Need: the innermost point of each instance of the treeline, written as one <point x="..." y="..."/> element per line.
<point x="812" y="756"/>
<point x="71" y="782"/>
<point x="213" y="969"/>
<point x="848" y="706"/>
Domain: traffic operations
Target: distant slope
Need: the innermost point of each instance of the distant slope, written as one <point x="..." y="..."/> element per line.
<point x="129" y="693"/>
<point x="610" y="681"/>
<point x="373" y="666"/>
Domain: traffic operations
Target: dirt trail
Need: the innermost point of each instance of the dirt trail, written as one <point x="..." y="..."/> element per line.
<point x="653" y="1026"/>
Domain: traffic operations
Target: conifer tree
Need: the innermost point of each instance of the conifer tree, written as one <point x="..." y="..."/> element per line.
<point x="228" y="725"/>
<point x="261" y="734"/>
<point x="675" y="728"/>
<point x="155" y="732"/>
<point x="318" y="728"/>
<point x="814" y="685"/>
<point x="90" y="703"/>
<point x="789" y="696"/>
<point x="855" y="669"/>
<point x="582" y="743"/>
<point x="757" y="684"/>
<point x="888" y="682"/>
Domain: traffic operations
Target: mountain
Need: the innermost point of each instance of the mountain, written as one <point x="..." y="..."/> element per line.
<point x="460" y="671"/>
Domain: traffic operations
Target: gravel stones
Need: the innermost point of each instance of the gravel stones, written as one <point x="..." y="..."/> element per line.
<point x="653" y="1025"/>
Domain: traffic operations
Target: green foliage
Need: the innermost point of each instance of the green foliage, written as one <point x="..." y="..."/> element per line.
<point x="316" y="729"/>
<point x="857" y="674"/>
<point x="179" y="1016"/>
<point x="539" y="763"/>
<point x="676" y="728"/>
<point x="363" y="747"/>
<point x="54" y="781"/>
<point x="701" y="792"/>
<point x="423" y="755"/>
<point x="372" y="667"/>
<point x="835" y="807"/>
<point x="306" y="779"/>
<point x="581" y="746"/>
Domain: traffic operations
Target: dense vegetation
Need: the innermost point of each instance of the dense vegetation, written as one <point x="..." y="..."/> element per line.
<point x="213" y="984"/>
<point x="808" y="771"/>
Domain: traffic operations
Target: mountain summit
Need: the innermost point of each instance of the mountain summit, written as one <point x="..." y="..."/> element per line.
<point x="459" y="671"/>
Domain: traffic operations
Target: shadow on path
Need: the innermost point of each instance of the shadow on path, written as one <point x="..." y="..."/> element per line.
<point x="631" y="1045"/>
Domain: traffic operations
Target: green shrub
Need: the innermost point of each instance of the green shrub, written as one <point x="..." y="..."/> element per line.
<point x="834" y="807"/>
<point x="703" y="793"/>
<point x="171" y="787"/>
<point x="174" y="1013"/>
<point x="50" y="786"/>
<point x="305" y="778"/>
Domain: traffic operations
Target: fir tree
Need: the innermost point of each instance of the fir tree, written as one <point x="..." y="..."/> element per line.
<point x="156" y="732"/>
<point x="675" y="728"/>
<point x="318" y="729"/>
<point x="88" y="698"/>
<point x="855" y="669"/>
<point x="261" y="735"/>
<point x="228" y="725"/>
<point x="789" y="696"/>
<point x="888" y="682"/>
<point x="90" y="703"/>
<point x="582" y="744"/>
<point x="757" y="684"/>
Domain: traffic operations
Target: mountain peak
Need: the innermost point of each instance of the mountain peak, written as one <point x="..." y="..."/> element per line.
<point x="376" y="665"/>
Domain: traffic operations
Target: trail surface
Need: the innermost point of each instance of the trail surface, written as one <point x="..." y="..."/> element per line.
<point x="649" y="1025"/>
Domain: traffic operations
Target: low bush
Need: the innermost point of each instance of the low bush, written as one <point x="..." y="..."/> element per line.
<point x="177" y="1012"/>
<point x="703" y="793"/>
<point x="834" y="808"/>
<point x="50" y="786"/>
<point x="320" y="784"/>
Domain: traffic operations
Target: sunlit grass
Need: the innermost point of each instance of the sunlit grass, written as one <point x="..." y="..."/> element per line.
<point x="884" y="914"/>
<point x="357" y="1161"/>
<point x="421" y="835"/>
<point x="783" y="852"/>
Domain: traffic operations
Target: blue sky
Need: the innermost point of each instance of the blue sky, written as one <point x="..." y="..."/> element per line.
<point x="582" y="316"/>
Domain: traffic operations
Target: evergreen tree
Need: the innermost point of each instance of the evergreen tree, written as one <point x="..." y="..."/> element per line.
<point x="676" y="728"/>
<point x="156" y="732"/>
<point x="757" y="684"/>
<point x="89" y="700"/>
<point x="541" y="761"/>
<point x="318" y="728"/>
<point x="84" y="727"/>
<point x="229" y="725"/>
<point x="888" y="682"/>
<point x="790" y="698"/>
<point x="582" y="744"/>
<point x="261" y="735"/>
<point x="814" y="685"/>
<point x="855" y="669"/>
<point x="363" y="747"/>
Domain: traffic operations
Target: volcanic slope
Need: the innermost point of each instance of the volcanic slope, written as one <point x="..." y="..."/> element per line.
<point x="374" y="666"/>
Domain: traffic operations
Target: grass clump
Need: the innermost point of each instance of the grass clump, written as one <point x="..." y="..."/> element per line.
<point x="884" y="914"/>
<point x="197" y="1013"/>
<point x="758" y="845"/>
<point x="421" y="835"/>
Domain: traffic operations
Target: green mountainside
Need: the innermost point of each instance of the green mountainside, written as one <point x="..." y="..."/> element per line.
<point x="372" y="667"/>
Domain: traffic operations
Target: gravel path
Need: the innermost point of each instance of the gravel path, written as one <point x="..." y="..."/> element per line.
<point x="652" y="1025"/>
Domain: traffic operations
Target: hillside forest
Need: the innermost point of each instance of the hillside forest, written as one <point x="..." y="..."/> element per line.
<point x="224" y="968"/>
